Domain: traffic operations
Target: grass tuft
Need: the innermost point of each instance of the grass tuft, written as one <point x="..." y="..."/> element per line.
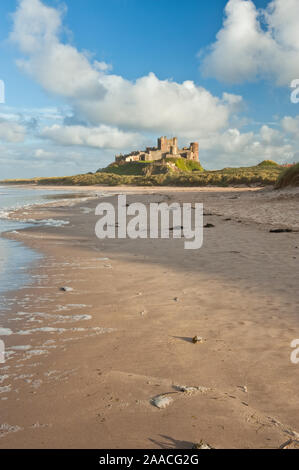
<point x="289" y="177"/>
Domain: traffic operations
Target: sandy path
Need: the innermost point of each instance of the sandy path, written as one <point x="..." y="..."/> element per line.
<point x="90" y="383"/>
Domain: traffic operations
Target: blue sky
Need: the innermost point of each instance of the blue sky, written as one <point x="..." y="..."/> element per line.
<point x="88" y="79"/>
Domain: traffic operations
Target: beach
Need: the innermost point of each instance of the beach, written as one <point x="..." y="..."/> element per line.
<point x="85" y="365"/>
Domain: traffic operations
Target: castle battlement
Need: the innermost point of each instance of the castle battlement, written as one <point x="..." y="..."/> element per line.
<point x="166" y="148"/>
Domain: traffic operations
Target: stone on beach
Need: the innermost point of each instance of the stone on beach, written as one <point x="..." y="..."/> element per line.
<point x="197" y="339"/>
<point x="290" y="444"/>
<point x="201" y="446"/>
<point x="190" y="390"/>
<point x="162" y="401"/>
<point x="66" y="289"/>
<point x="281" y="230"/>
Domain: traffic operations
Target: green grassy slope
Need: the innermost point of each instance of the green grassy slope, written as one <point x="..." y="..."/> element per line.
<point x="186" y="165"/>
<point x="157" y="167"/>
<point x="268" y="163"/>
<point x="130" y="168"/>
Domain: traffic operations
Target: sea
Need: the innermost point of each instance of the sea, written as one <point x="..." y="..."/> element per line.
<point x="14" y="256"/>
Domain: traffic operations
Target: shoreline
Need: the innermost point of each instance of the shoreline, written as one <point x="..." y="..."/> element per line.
<point x="89" y="382"/>
<point x="140" y="188"/>
<point x="17" y="217"/>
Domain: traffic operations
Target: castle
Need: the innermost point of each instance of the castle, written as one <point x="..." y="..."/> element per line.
<point x="167" y="148"/>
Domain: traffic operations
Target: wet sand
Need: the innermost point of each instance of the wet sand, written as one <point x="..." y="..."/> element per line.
<point x="93" y="359"/>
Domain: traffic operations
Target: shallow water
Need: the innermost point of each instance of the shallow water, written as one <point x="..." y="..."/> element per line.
<point x="14" y="257"/>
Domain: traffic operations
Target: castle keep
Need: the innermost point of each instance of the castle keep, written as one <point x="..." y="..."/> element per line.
<point x="167" y="148"/>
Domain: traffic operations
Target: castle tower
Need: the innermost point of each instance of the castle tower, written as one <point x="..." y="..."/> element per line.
<point x="163" y="144"/>
<point x="168" y="145"/>
<point x="175" y="145"/>
<point x="195" y="149"/>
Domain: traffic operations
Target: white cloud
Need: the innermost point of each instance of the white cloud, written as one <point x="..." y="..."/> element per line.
<point x="230" y="141"/>
<point x="234" y="148"/>
<point x="58" y="67"/>
<point x="11" y="131"/>
<point x="53" y="155"/>
<point x="35" y="26"/>
<point x="99" y="97"/>
<point x="38" y="158"/>
<point x="99" y="137"/>
<point x="271" y="136"/>
<point x="155" y="105"/>
<point x="291" y="125"/>
<point x="233" y="100"/>
<point x="44" y="154"/>
<point x="256" y="44"/>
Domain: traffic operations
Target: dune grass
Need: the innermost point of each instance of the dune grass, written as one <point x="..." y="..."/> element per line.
<point x="289" y="177"/>
<point x="248" y="176"/>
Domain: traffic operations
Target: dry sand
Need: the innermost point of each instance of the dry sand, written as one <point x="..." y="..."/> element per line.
<point x="97" y="356"/>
